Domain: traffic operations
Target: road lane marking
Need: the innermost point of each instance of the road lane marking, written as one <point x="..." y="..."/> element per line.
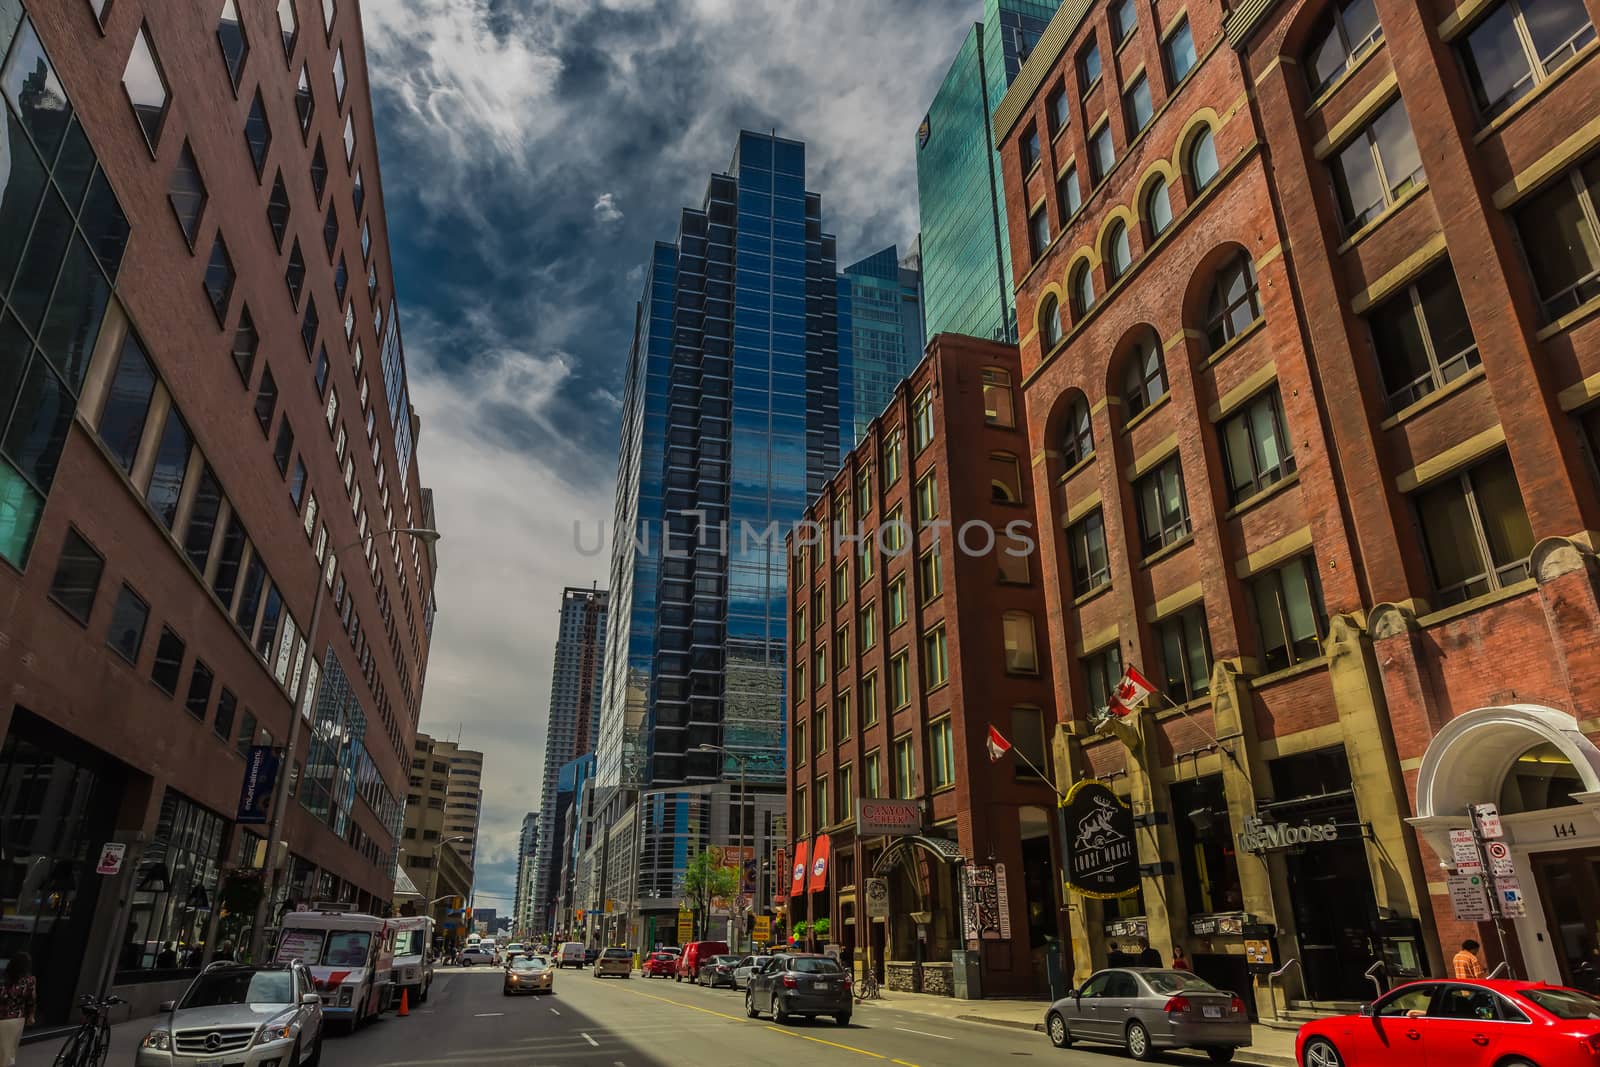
<point x="488" y="1014"/>
<point x="591" y="1041"/>
<point x="834" y="1044"/>
<point x="904" y="1063"/>
<point x="681" y="1004"/>
<point x="924" y="1033"/>
<point x="554" y="1012"/>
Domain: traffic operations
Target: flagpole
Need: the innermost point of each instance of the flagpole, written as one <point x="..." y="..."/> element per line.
<point x="1211" y="734"/>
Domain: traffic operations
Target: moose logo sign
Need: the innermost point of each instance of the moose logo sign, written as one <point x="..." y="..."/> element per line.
<point x="1102" y="861"/>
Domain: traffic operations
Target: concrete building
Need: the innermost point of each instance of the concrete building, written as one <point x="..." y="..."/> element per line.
<point x="523" y="908"/>
<point x="441" y="823"/>
<point x="571" y="728"/>
<point x="1309" y="381"/>
<point x="916" y="626"/>
<point x="171" y="486"/>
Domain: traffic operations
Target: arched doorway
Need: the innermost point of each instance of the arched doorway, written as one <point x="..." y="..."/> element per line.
<point x="1543" y="773"/>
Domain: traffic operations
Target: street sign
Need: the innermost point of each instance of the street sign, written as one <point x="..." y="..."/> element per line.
<point x="685" y="927"/>
<point x="1464" y="852"/>
<point x="111" y="854"/>
<point x="1467" y="898"/>
<point x="763" y="932"/>
<point x="1488" y="818"/>
<point x="1512" y="904"/>
<point x="1500" y="864"/>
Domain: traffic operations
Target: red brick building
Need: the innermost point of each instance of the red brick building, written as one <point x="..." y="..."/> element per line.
<point x="1309" y="348"/>
<point x="917" y="623"/>
<point x="207" y="424"/>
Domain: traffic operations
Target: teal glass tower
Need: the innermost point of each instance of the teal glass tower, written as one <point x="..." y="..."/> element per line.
<point x="880" y="323"/>
<point x="966" y="252"/>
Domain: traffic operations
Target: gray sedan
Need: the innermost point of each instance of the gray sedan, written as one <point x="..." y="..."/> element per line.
<point x="1148" y="1010"/>
<point x="743" y="969"/>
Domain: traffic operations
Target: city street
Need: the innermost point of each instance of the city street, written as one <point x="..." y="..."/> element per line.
<point x="642" y="1023"/>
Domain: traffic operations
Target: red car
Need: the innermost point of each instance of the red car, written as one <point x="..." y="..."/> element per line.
<point x="660" y="965"/>
<point x="1460" y="1023"/>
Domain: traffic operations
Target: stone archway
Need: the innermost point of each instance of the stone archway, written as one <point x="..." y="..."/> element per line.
<point x="1468" y="759"/>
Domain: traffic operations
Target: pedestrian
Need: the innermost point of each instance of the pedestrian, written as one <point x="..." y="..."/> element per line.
<point x="168" y="956"/>
<point x="1466" y="963"/>
<point x="225" y="951"/>
<point x="1180" y="962"/>
<point x="19" y="1003"/>
<point x="1149" y="957"/>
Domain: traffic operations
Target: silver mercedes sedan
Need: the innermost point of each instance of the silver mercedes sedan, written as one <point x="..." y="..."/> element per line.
<point x="1147" y="1010"/>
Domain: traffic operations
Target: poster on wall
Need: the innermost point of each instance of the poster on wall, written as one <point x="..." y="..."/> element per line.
<point x="1102" y="860"/>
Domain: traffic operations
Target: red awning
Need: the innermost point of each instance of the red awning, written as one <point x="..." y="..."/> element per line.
<point x="797" y="884"/>
<point x="820" y="854"/>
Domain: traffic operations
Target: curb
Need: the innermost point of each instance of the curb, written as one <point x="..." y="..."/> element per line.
<point x="1013" y="1024"/>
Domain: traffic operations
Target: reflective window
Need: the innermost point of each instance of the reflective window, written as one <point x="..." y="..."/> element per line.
<point x="1158" y="207"/>
<point x="1476" y="531"/>
<point x="1234" y="303"/>
<point x="128" y="619"/>
<point x="1118" y="255"/>
<point x="235" y="43"/>
<point x="1050" y="323"/>
<point x="1560" y="231"/>
<point x="278" y="217"/>
<point x="1185" y="653"/>
<point x="168" y="663"/>
<point x="1101" y="674"/>
<point x="245" y="343"/>
<point x="1376" y="168"/>
<point x="1179" y="51"/>
<point x="350" y="137"/>
<point x="294" y="274"/>
<point x="77" y="577"/>
<point x="288" y="25"/>
<point x="1038" y="232"/>
<point x="1068" y="196"/>
<point x="203" y="519"/>
<point x="146" y="87"/>
<point x="1289" y="614"/>
<point x="198" y="699"/>
<point x="1144" y="375"/>
<point x="941" y="754"/>
<point x="1124" y="20"/>
<point x="1163" y="508"/>
<point x="305" y="103"/>
<point x="1136" y="105"/>
<point x="258" y="133"/>
<point x="358" y="193"/>
<point x="935" y="659"/>
<point x="1520" y="44"/>
<point x="284" y="448"/>
<point x="171" y="466"/>
<point x="1082" y="289"/>
<point x="1089" y="66"/>
<point x="127" y="403"/>
<point x="1349" y="28"/>
<point x="1255" y="446"/>
<point x="219" y="278"/>
<point x="1022" y="654"/>
<point x="319" y="172"/>
<point x="1422" y="338"/>
<point x="330" y="229"/>
<point x="1058" y="113"/>
<point x="1030" y="149"/>
<point x="1086" y="545"/>
<point x="186" y="192"/>
<point x="1077" y="440"/>
<point x="997" y="398"/>
<point x="1102" y="154"/>
<point x="266" y="400"/>
<point x="1203" y="159"/>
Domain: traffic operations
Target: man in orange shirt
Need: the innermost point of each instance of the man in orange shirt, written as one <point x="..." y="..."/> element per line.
<point x="1466" y="963"/>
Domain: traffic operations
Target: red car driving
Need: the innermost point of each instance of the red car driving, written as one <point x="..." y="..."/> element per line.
<point x="659" y="965"/>
<point x="1460" y="1023"/>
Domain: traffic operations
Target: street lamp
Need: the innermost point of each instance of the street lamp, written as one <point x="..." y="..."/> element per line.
<point x="744" y="819"/>
<point x="298" y="699"/>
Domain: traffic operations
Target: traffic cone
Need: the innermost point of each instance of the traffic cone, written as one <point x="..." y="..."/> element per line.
<point x="405" y="1003"/>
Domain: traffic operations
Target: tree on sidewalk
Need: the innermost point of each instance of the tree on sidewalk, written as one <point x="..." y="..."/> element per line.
<point x="704" y="880"/>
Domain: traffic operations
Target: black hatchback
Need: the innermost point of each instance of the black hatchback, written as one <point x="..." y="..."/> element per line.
<point x="799" y="985"/>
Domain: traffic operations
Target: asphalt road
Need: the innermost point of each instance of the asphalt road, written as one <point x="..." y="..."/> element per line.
<point x="635" y="1022"/>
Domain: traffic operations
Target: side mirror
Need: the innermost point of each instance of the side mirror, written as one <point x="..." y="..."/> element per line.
<point x="1366" y="1011"/>
<point x="309" y="999"/>
<point x="168" y="1005"/>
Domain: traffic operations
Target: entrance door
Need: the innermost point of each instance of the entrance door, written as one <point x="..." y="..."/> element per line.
<point x="1569" y="885"/>
<point x="1334" y="914"/>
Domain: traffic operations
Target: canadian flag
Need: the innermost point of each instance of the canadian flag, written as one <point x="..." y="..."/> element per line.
<point x="998" y="746"/>
<point x="1134" y="689"/>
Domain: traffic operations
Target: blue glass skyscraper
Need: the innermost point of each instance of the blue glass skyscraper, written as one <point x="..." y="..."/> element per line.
<point x="966" y="250"/>
<point x="880" y="322"/>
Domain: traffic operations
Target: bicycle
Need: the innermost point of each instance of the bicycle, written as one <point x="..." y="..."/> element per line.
<point x="867" y="988"/>
<point x="90" y="1043"/>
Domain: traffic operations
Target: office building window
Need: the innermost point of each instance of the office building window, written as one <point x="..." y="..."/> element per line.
<point x="168" y="663"/>
<point x="1068" y="195"/>
<point x="801" y="752"/>
<point x="1086" y="545"/>
<point x="1038" y="232"/>
<point x="339" y="79"/>
<point x="1117" y="253"/>
<point x="819" y="663"/>
<point x="866" y="558"/>
<point x="127" y="403"/>
<point x="1158" y="208"/>
<point x="1349" y="28"/>
<point x="125" y="634"/>
<point x="1022" y="654"/>
<point x="198" y="699"/>
<point x="305" y="101"/>
<point x="1377" y="167"/>
<point x="308" y="331"/>
<point x="1144" y="375"/>
<point x="1179" y="52"/>
<point x="1050" y="331"/>
<point x="258" y="134"/>
<point x="1102" y="154"/>
<point x="893" y="533"/>
<point x="819" y="730"/>
<point x="266" y="400"/>
<point x="922" y="421"/>
<point x="1124" y="20"/>
<point x="869" y="700"/>
<point x="942" y="754"/>
<point x="227" y="708"/>
<point x="843" y="723"/>
<point x="1005" y="478"/>
<point x="294" y="275"/>
<point x="1255" y="446"/>
<point x="234" y="41"/>
<point x="284" y="449"/>
<point x="146" y="87"/>
<point x="935" y="659"/>
<point x="1030" y="149"/>
<point x="841" y="648"/>
<point x="929" y="576"/>
<point x="1101" y="673"/>
<point x="1082" y="289"/>
<point x="171" y="465"/>
<point x="864" y="490"/>
<point x="1560" y="231"/>
<point x="1422" y="338"/>
<point x="349" y="138"/>
<point x="1029" y="743"/>
<point x="1235" y="301"/>
<point x="899" y="680"/>
<point x="800" y="811"/>
<point x="1289" y="615"/>
<point x="1136" y="105"/>
<point x="1077" y="440"/>
<point x="1058" y="113"/>
<point x="892" y="442"/>
<point x="897" y="602"/>
<point x="77" y="577"/>
<point x="844" y="785"/>
<point x="1519" y="45"/>
<point x="1476" y="531"/>
<point x="278" y="222"/>
<point x="1089" y="67"/>
<point x="1202" y="159"/>
<point x="1163" y="509"/>
<point x="186" y="192"/>
<point x="927" y="499"/>
<point x="905" y="777"/>
<point x="1185" y="646"/>
<point x="288" y="26"/>
<point x="872" y="775"/>
<point x="219" y="278"/>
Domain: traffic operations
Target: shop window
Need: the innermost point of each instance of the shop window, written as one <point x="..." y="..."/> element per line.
<point x="1086" y="545"/>
<point x="1101" y="673"/>
<point x="1255" y="446"/>
<point x="1289" y="614"/>
<point x="171" y="466"/>
<point x="186" y="192"/>
<point x="1422" y="338"/>
<point x="1022" y="653"/>
<point x="998" y="401"/>
<point x="1560" y="231"/>
<point x="168" y="663"/>
<point x="905" y="778"/>
<point x="1206" y="857"/>
<point x="1476" y="531"/>
<point x="1049" y="323"/>
<point x="77" y="577"/>
<point x="1082" y="288"/>
<point x="146" y="87"/>
<point x="1030" y="742"/>
<point x="1344" y="34"/>
<point x="1102" y="154"/>
<point x="1185" y="646"/>
<point x="1136" y="105"/>
<point x="1202" y="159"/>
<point x="198" y="700"/>
<point x="127" y="404"/>
<point x="1234" y="303"/>
<point x="1005" y="479"/>
<point x="1179" y="52"/>
<point x="1377" y="167"/>
<point x="942" y="754"/>
<point x="1068" y="196"/>
<point x="1518" y="46"/>
<point x="1163" y="507"/>
<point x="935" y="659"/>
<point x="1158" y="208"/>
<point x="166" y="927"/>
<point x="1077" y="438"/>
<point x="1144" y="375"/>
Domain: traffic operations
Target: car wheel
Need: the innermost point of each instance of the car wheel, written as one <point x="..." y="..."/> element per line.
<point x="316" y="1053"/>
<point x="1319" y="1052"/>
<point x="842" y="1020"/>
<point x="1138" y="1042"/>
<point x="1225" y="1055"/>
<point x="750" y="1005"/>
<point x="1056" y="1027"/>
<point x="778" y="1014"/>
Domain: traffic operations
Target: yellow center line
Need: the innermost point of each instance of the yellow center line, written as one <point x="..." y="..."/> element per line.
<point x="831" y="1044"/>
<point x="904" y="1063"/>
<point x="681" y="1004"/>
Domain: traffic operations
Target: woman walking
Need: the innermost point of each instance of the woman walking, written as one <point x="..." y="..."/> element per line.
<point x="19" y="1002"/>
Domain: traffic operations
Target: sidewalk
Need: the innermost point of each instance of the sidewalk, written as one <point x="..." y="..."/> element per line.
<point x="1269" y="1047"/>
<point x="125" y="1038"/>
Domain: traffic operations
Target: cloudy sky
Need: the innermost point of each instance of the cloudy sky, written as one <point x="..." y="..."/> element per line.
<point x="532" y="150"/>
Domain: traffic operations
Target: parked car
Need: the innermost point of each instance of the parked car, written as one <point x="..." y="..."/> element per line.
<point x="1146" y="1010"/>
<point x="696" y="953"/>
<point x="718" y="970"/>
<point x="1461" y="1023"/>
<point x="659" y="965"/>
<point x="475" y="954"/>
<point x="572" y="954"/>
<point x="614" y="961"/>
<point x="799" y="984"/>
<point x="743" y="969"/>
<point x="528" y="973"/>
<point x="248" y="1015"/>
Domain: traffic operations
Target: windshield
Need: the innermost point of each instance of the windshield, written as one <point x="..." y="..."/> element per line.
<point x="810" y="965"/>
<point x="1565" y="1003"/>
<point x="1168" y="982"/>
<point x="302" y="945"/>
<point x="346" y="948"/>
<point x="409" y="943"/>
<point x="527" y="963"/>
<point x="239" y="987"/>
<point x="618" y="954"/>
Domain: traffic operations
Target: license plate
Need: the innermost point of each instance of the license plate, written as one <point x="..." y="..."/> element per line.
<point x="209" y="1063"/>
<point x="822" y="983"/>
<point x="1213" y="1013"/>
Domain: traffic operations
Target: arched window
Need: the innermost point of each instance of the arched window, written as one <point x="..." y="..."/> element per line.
<point x="1082" y="289"/>
<point x="1077" y="438"/>
<point x="1144" y="376"/>
<point x="1158" y="207"/>
<point x="1235" y="302"/>
<point x="1050" y="322"/>
<point x="1119" y="257"/>
<point x="1203" y="159"/>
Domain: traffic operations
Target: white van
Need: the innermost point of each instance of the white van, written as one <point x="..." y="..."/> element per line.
<point x="571" y="954"/>
<point x="413" y="956"/>
<point x="350" y="957"/>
